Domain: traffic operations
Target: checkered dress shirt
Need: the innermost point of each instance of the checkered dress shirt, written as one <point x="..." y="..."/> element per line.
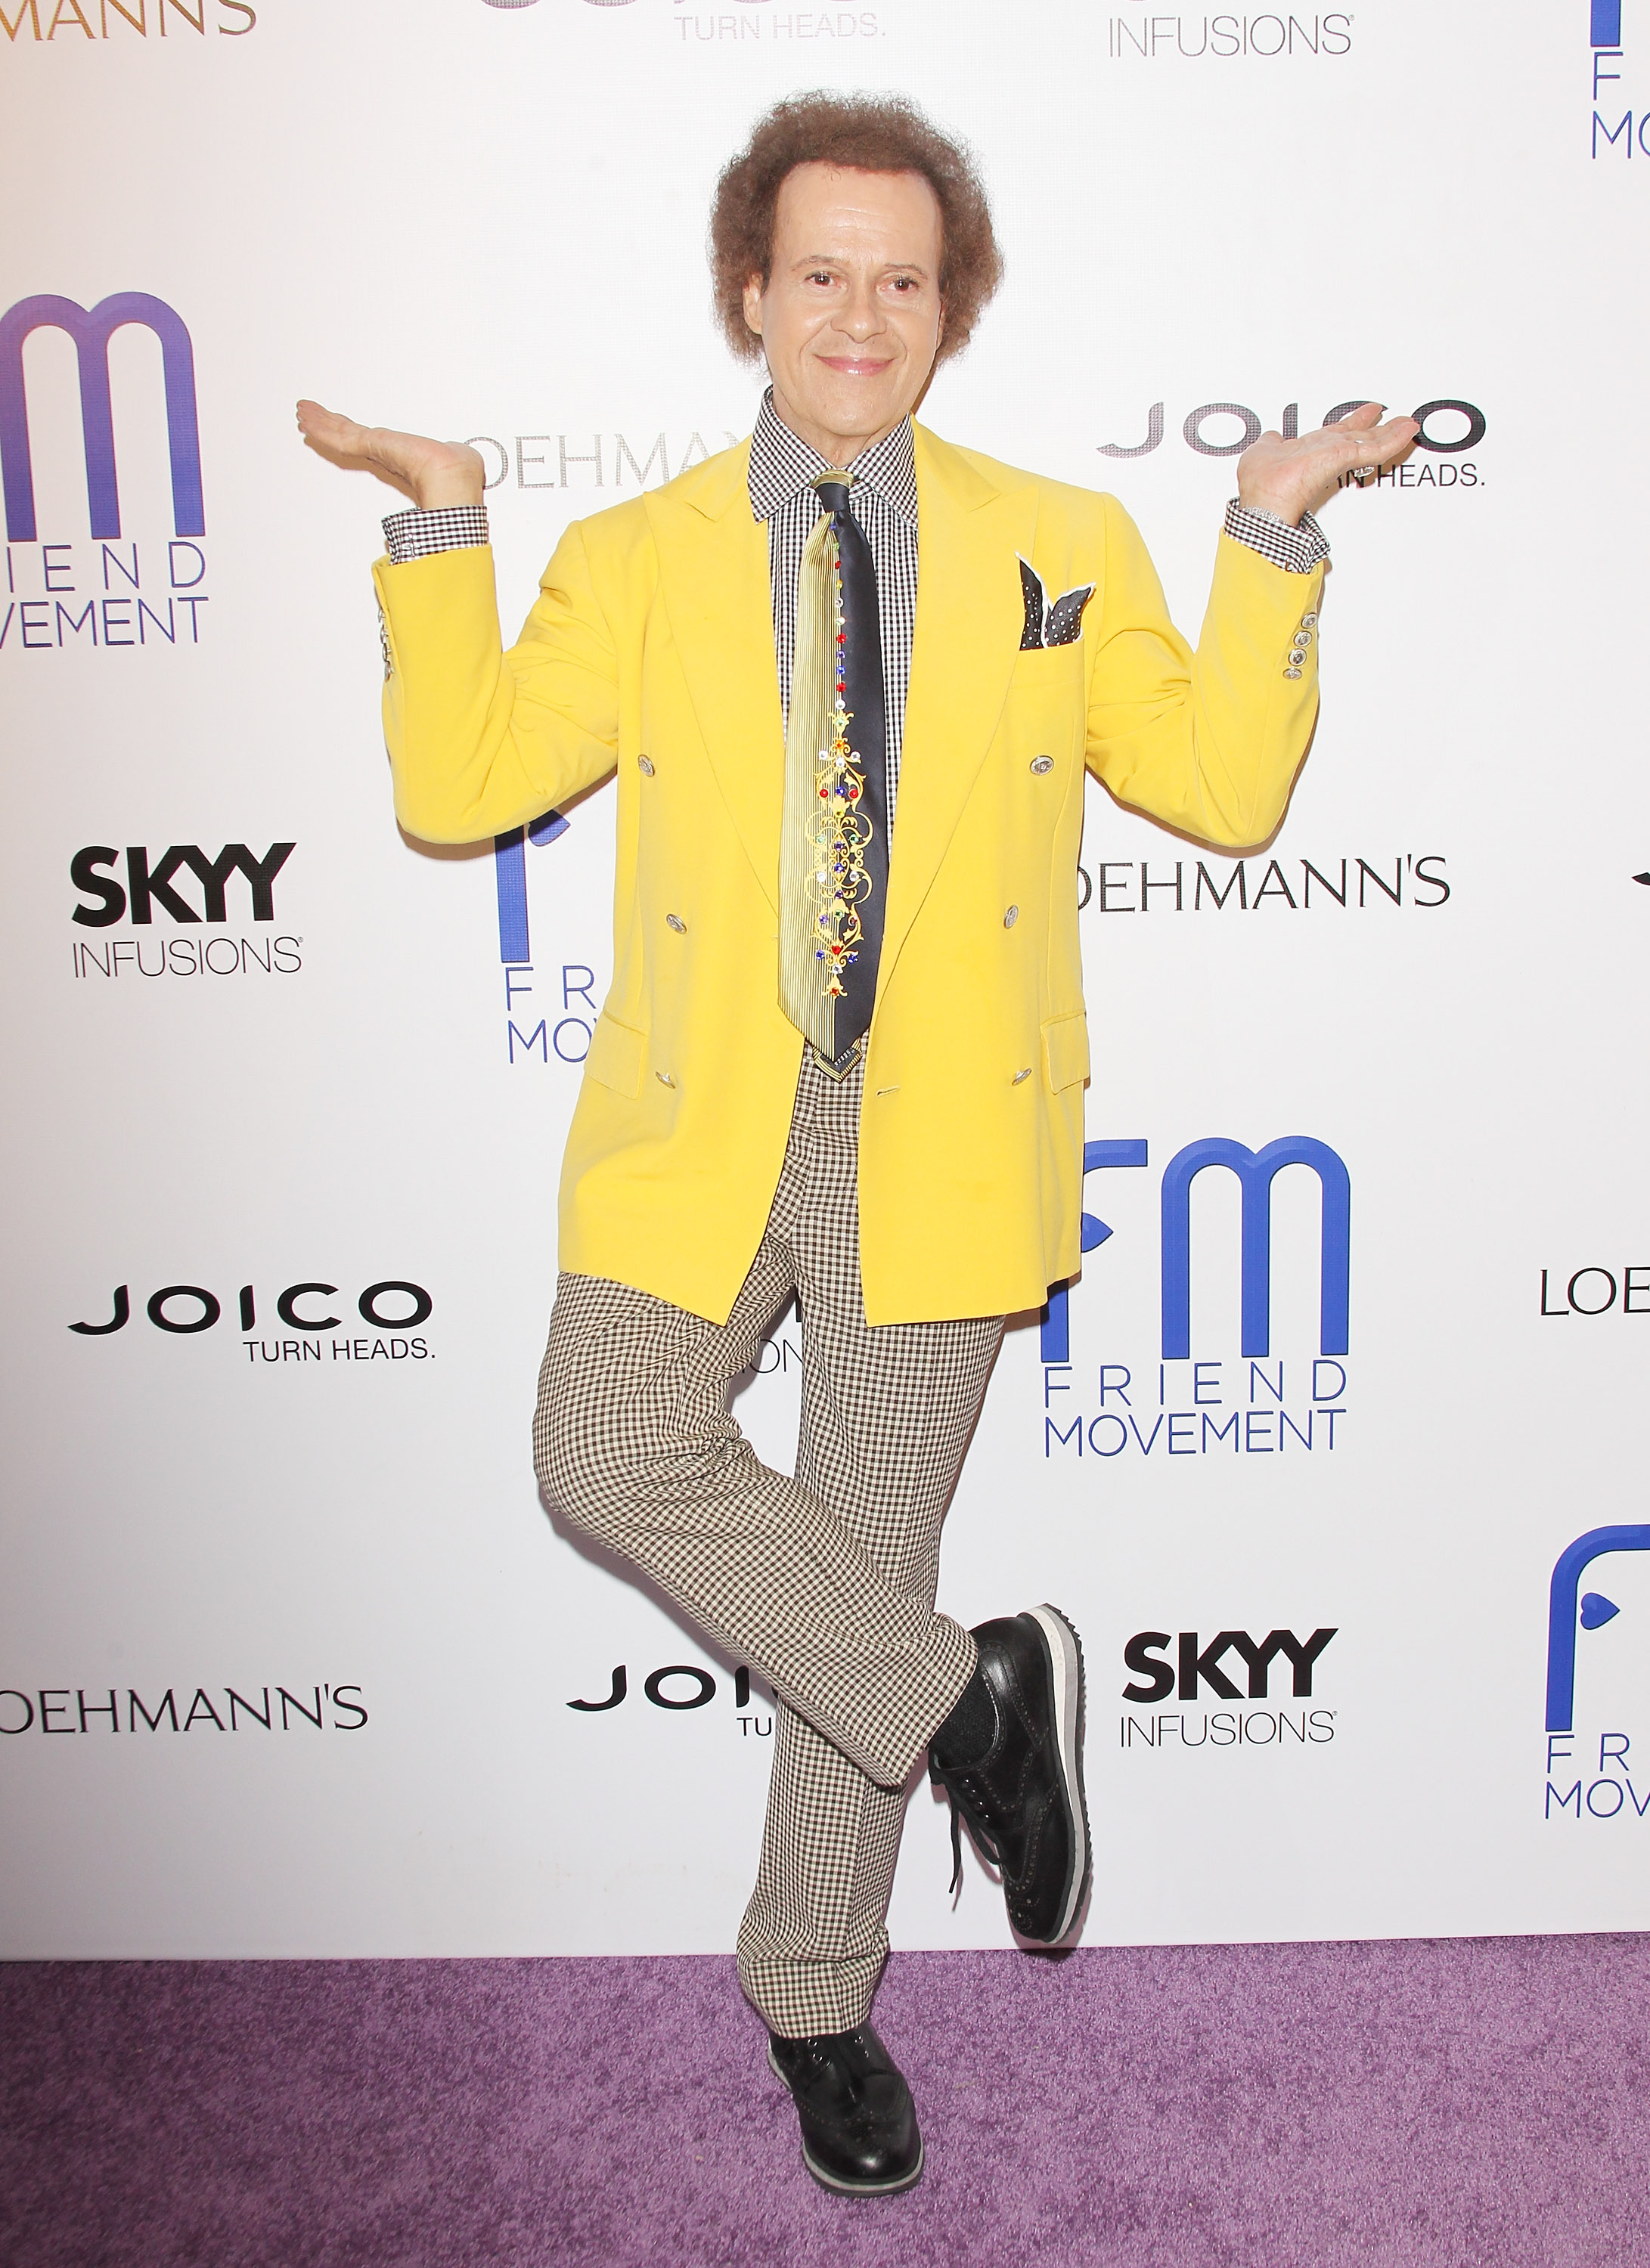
<point x="783" y="469"/>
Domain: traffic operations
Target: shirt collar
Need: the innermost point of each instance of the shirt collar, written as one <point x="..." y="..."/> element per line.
<point x="782" y="464"/>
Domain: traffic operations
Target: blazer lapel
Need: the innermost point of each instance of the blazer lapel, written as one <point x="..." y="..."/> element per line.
<point x="713" y="573"/>
<point x="969" y="621"/>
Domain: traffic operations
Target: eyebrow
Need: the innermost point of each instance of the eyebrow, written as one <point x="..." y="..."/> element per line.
<point x="836" y="260"/>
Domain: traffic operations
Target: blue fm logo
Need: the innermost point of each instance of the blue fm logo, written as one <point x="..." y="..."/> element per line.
<point x="90" y="331"/>
<point x="510" y="873"/>
<point x="1256" y="1170"/>
<point x="1568" y="1605"/>
<point x="515" y="950"/>
<point x="1607" y="48"/>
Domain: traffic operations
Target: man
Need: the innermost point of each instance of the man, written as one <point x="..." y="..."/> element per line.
<point x="849" y="678"/>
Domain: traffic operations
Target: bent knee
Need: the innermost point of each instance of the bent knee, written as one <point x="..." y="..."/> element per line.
<point x="608" y="1471"/>
<point x="577" y="1463"/>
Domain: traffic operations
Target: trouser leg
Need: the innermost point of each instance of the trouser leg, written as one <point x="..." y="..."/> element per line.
<point x="887" y="1417"/>
<point x="633" y="1442"/>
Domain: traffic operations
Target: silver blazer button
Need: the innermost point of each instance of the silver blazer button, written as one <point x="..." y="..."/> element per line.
<point x="1040" y="764"/>
<point x="645" y="764"/>
<point x="1019" y="1075"/>
<point x="1011" y="917"/>
<point x="675" y="922"/>
<point x="664" y="1079"/>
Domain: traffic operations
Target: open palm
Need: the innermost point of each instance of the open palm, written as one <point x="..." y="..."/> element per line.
<point x="434" y="474"/>
<point x="1290" y="477"/>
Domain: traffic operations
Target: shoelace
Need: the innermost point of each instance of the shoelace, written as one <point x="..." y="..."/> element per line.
<point x="977" y="1828"/>
<point x="845" y="2063"/>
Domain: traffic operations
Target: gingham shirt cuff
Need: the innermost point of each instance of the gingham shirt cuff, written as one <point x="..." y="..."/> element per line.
<point x="415" y="534"/>
<point x="1297" y="549"/>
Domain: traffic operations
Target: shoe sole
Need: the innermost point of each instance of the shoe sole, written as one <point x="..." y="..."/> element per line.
<point x="834" y="2182"/>
<point x="1065" y="1663"/>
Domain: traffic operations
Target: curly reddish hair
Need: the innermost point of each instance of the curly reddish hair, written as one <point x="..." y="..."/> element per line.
<point x="868" y="133"/>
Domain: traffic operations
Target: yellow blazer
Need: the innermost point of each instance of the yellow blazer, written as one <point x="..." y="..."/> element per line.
<point x="651" y="649"/>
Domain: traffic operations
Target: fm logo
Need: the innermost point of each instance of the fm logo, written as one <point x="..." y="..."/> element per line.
<point x="1607" y="48"/>
<point x="1146" y="1652"/>
<point x="147" y="886"/>
<point x="1256" y="1170"/>
<point x="90" y="331"/>
<point x="1568" y="1605"/>
<point x="510" y="873"/>
<point x="184" y="1309"/>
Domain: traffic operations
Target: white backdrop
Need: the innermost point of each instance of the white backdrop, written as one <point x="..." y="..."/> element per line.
<point x="487" y="220"/>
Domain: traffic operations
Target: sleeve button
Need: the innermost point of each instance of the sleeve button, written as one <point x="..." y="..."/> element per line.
<point x="1308" y="622"/>
<point x="1292" y="673"/>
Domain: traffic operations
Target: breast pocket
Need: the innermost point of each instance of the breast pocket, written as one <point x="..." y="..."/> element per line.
<point x="1048" y="673"/>
<point x="1045" y="714"/>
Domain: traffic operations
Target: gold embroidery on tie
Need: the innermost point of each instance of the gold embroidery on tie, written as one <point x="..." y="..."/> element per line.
<point x="840" y="828"/>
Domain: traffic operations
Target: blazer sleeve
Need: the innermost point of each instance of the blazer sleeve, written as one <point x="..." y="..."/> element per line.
<point x="481" y="741"/>
<point x="1207" y="742"/>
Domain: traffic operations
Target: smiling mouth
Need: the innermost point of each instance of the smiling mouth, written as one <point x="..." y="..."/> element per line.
<point x="857" y="366"/>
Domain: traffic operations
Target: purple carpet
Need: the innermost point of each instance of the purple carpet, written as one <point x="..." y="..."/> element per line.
<point x="1361" y="2106"/>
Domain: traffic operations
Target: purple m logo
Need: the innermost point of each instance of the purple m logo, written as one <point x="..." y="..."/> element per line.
<point x="91" y="332"/>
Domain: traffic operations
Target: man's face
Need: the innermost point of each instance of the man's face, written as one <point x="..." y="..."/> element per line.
<point x="850" y="319"/>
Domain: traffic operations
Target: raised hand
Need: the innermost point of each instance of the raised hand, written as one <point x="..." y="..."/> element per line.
<point x="1290" y="477"/>
<point x="434" y="474"/>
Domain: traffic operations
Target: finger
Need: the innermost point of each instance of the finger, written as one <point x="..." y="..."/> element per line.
<point x="374" y="446"/>
<point x="313" y="417"/>
<point x="1380" y="444"/>
<point x="1358" y="420"/>
<point x="328" y="430"/>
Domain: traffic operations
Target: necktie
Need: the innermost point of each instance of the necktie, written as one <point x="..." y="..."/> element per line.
<point x="834" y="864"/>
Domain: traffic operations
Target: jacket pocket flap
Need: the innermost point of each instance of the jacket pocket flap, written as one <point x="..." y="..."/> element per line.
<point x="614" y="1056"/>
<point x="1066" y="1049"/>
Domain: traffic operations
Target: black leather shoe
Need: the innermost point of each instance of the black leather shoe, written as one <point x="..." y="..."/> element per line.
<point x="1022" y="1801"/>
<point x="858" y="2125"/>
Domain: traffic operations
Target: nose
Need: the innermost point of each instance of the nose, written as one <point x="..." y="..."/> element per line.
<point x="862" y="318"/>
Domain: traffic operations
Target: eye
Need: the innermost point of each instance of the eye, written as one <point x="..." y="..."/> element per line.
<point x="821" y="275"/>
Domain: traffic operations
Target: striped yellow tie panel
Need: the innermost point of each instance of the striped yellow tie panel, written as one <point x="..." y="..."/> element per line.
<point x="808" y="739"/>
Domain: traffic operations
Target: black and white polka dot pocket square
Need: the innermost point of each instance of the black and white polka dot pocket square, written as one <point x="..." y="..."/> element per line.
<point x="1044" y="625"/>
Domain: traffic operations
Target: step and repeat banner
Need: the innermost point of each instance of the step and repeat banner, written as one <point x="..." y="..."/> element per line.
<point x="1333" y="1452"/>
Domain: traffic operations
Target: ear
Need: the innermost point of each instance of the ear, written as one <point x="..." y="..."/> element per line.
<point x="752" y="303"/>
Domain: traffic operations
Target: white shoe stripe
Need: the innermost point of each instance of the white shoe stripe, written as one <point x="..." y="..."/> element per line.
<point x="1067" y="1655"/>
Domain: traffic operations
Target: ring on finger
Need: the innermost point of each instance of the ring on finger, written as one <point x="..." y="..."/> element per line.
<point x="1363" y="472"/>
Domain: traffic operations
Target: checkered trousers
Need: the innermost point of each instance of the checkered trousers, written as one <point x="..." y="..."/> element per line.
<point x="824" y="1584"/>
